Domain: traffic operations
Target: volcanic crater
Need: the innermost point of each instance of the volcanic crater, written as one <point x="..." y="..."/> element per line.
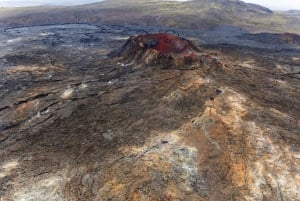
<point x="162" y="49"/>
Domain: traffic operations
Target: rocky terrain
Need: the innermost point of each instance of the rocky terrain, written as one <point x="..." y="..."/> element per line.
<point x="82" y="118"/>
<point x="149" y="100"/>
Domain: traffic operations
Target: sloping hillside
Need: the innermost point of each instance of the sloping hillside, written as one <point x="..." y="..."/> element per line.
<point x="191" y="14"/>
<point x="291" y="13"/>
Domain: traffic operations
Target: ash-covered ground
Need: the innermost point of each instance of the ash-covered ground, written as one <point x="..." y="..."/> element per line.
<point x="76" y="124"/>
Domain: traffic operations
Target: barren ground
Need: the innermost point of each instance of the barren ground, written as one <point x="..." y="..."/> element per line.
<point x="77" y="125"/>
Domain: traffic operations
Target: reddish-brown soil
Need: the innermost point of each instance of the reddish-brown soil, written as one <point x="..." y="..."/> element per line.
<point x="165" y="43"/>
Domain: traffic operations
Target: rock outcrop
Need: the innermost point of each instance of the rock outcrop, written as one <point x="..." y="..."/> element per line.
<point x="163" y="49"/>
<point x="291" y="38"/>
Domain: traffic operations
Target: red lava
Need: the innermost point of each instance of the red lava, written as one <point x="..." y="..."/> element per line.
<point x="165" y="43"/>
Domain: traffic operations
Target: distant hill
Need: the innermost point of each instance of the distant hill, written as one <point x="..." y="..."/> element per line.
<point x="292" y="13"/>
<point x="197" y="14"/>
